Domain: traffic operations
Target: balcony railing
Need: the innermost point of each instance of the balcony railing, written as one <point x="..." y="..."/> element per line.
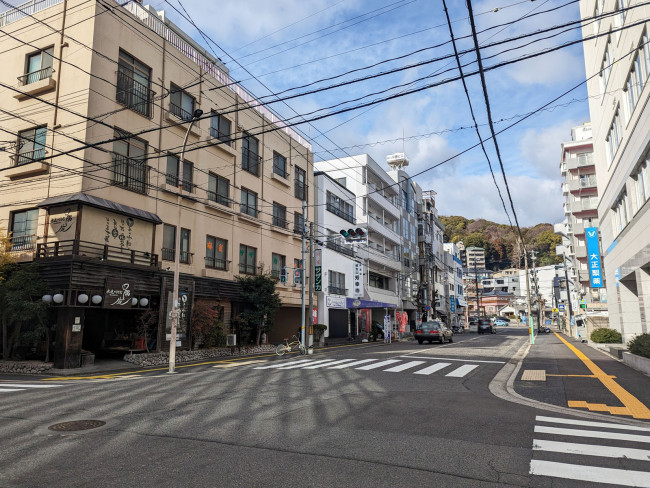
<point x="337" y="290"/>
<point x="34" y="76"/>
<point x="102" y="252"/>
<point x="219" y="198"/>
<point x="335" y="246"/>
<point x="216" y="263"/>
<point x="248" y="210"/>
<point x="134" y="95"/>
<point x="250" y="161"/>
<point x="169" y="254"/>
<point x="29" y="156"/>
<point x="300" y="190"/>
<point x="24" y="10"/>
<point x="340" y="213"/>
<point x="129" y="173"/>
<point x="172" y="180"/>
<point x="280" y="222"/>
<point x="249" y="269"/>
<point x="280" y="171"/>
<point x="180" y="112"/>
<point x="222" y="136"/>
<point x="22" y="243"/>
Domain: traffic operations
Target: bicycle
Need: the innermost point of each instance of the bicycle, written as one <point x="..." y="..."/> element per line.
<point x="282" y="349"/>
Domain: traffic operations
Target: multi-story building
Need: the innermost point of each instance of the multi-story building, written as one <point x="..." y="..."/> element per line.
<point x="502" y="282"/>
<point x="430" y="242"/>
<point x="475" y="257"/>
<point x="617" y="63"/>
<point x="377" y="211"/>
<point x="454" y="295"/>
<point x="581" y="210"/>
<point x="102" y="110"/>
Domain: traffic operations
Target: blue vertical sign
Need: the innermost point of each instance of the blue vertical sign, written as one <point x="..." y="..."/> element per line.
<point x="593" y="253"/>
<point x="452" y="303"/>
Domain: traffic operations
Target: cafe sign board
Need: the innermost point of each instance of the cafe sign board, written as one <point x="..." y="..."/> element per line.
<point x="118" y="293"/>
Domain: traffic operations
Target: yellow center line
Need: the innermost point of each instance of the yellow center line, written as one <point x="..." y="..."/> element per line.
<point x="577" y="375"/>
<point x="635" y="407"/>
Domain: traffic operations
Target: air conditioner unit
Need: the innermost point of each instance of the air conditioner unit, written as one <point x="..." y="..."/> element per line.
<point x="231" y="340"/>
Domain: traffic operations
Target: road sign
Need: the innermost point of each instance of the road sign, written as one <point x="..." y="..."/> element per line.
<point x="561" y="307"/>
<point x="318" y="278"/>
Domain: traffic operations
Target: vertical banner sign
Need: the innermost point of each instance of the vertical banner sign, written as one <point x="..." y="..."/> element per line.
<point x="387" y="326"/>
<point x="318" y="278"/>
<point x="593" y="253"/>
<point x="318" y="257"/>
<point x="357" y="290"/>
<point x="452" y="303"/>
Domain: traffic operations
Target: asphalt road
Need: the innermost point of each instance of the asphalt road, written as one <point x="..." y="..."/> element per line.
<point x="358" y="415"/>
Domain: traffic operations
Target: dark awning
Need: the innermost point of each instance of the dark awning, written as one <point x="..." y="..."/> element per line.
<point x="100" y="203"/>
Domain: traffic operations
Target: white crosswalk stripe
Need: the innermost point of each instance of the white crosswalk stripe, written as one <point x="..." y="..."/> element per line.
<point x="419" y="367"/>
<point x="13" y="387"/>
<point x="591" y="462"/>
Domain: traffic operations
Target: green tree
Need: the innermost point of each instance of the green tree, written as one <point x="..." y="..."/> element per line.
<point x="207" y="324"/>
<point x="5" y="257"/>
<point x="22" y="310"/>
<point x="260" y="302"/>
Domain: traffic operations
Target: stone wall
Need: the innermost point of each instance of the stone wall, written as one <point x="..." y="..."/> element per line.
<point x="162" y="358"/>
<point x="28" y="367"/>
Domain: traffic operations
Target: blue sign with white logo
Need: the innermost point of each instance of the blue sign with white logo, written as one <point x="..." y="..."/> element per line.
<point x="452" y="303"/>
<point x="593" y="255"/>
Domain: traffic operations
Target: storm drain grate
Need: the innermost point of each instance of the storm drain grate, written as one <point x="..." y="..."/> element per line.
<point x="76" y="425"/>
<point x="534" y="375"/>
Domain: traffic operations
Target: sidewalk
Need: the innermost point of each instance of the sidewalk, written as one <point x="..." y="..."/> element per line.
<point x="563" y="371"/>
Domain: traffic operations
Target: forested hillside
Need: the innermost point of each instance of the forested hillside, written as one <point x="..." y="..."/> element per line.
<point x="501" y="242"/>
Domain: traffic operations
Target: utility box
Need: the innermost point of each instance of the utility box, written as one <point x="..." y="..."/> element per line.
<point x="231" y="340"/>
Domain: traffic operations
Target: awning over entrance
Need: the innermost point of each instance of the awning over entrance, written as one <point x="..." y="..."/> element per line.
<point x="368" y="304"/>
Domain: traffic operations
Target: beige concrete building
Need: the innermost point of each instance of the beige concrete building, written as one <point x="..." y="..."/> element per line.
<point x="95" y="107"/>
<point x="618" y="67"/>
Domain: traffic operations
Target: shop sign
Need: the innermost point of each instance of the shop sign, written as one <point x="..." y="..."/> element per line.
<point x="118" y="294"/>
<point x="334" y="302"/>
<point x="318" y="278"/>
<point x="593" y="251"/>
<point x="183" y="315"/>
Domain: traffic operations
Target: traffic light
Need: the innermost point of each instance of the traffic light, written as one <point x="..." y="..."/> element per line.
<point x="353" y="234"/>
<point x="283" y="274"/>
<point x="360" y="232"/>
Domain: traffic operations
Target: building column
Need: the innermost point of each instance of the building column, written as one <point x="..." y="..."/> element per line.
<point x="630" y="317"/>
<point x="69" y="335"/>
<point x="643" y="285"/>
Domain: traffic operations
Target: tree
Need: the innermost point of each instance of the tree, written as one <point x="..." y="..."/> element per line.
<point x="207" y="324"/>
<point x="22" y="310"/>
<point x="147" y="321"/>
<point x="260" y="302"/>
<point x="5" y="257"/>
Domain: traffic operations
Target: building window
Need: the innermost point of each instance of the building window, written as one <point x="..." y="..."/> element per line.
<point x="129" y="167"/>
<point x="280" y="165"/>
<point x="216" y="251"/>
<point x="378" y="281"/>
<point x="169" y="244"/>
<point x="642" y="183"/>
<point x="621" y="213"/>
<point x="340" y="207"/>
<point x="172" y="173"/>
<point x="181" y="103"/>
<point x="24" y="225"/>
<point x="614" y="136"/>
<point x="298" y="223"/>
<point x="278" y="261"/>
<point x="186" y="255"/>
<point x="342" y="181"/>
<point x="220" y="128"/>
<point x="31" y="145"/>
<point x="606" y="66"/>
<point x="279" y="215"/>
<point x="248" y="202"/>
<point x="247" y="259"/>
<point x="250" y="158"/>
<point x="337" y="283"/>
<point x="219" y="189"/>
<point x="134" y="85"/>
<point x="300" y="184"/>
<point x="38" y="66"/>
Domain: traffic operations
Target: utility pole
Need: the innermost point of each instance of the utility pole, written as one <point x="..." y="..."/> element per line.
<point x="478" y="309"/>
<point x="537" y="295"/>
<point x="530" y="312"/>
<point x="568" y="296"/>
<point x="311" y="286"/>
<point x="302" y="281"/>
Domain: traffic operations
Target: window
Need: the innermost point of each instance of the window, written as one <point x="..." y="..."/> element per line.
<point x="342" y="181"/>
<point x="337" y="283"/>
<point x="606" y="66"/>
<point x="279" y="215"/>
<point x="250" y="159"/>
<point x="642" y="183"/>
<point x="134" y="84"/>
<point x="621" y="213"/>
<point x="31" y="145"/>
<point x="39" y="66"/>
<point x="185" y="256"/>
<point x="248" y="202"/>
<point x="278" y="261"/>
<point x="129" y="167"/>
<point x="298" y="223"/>
<point x="216" y="251"/>
<point x="300" y="184"/>
<point x="634" y="85"/>
<point x="24" y="225"/>
<point x="340" y="207"/>
<point x="181" y="104"/>
<point x="169" y="244"/>
<point x="280" y="165"/>
<point x="219" y="189"/>
<point x="378" y="281"/>
<point x="614" y="136"/>
<point x="172" y="173"/>
<point x="247" y="258"/>
<point x="587" y="181"/>
<point x="220" y="128"/>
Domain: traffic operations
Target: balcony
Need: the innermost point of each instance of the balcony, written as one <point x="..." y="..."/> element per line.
<point x="335" y="246"/>
<point x="102" y="252"/>
<point x="578" y="229"/>
<point x="581" y="252"/>
<point x="337" y="290"/>
<point x="35" y="83"/>
<point x="580" y="162"/>
<point x="376" y="226"/>
<point x="383" y="202"/>
<point x="215" y="263"/>
<point x="387" y="259"/>
<point x="340" y="213"/>
<point x="134" y="95"/>
<point x="22" y="243"/>
<point x="582" y="184"/>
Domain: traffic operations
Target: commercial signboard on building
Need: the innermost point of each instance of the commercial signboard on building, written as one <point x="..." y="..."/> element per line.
<point x="593" y="253"/>
<point x="335" y="302"/>
<point x="118" y="293"/>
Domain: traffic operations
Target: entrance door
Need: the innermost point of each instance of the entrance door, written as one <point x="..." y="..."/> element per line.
<point x="338" y="323"/>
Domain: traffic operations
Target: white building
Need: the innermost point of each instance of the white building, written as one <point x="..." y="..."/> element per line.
<point x="454" y="284"/>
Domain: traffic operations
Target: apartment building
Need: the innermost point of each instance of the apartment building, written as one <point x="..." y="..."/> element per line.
<point x="617" y="62"/>
<point x="581" y="209"/>
<point x="431" y="256"/>
<point x="454" y="292"/>
<point x="475" y="257"/>
<point x="100" y="109"/>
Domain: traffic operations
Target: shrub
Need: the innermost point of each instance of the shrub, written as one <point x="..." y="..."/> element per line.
<point x="606" y="336"/>
<point x="640" y="345"/>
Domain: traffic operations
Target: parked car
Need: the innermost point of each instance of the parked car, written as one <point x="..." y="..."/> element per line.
<point x="485" y="326"/>
<point x="433" y="330"/>
<point x="499" y="322"/>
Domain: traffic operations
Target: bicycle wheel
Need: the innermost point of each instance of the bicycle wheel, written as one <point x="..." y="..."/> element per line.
<point x="281" y="349"/>
<point x="302" y="349"/>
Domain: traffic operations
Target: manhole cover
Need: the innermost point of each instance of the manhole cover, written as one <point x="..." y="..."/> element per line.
<point x="75" y="425"/>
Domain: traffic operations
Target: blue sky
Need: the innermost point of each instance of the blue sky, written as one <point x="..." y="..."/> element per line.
<point x="286" y="43"/>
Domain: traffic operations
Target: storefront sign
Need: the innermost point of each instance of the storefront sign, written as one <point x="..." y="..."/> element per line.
<point x="183" y="316"/>
<point x="334" y="302"/>
<point x="387" y="327"/>
<point x="118" y="294"/>
<point x="593" y="252"/>
<point x="318" y="257"/>
<point x="318" y="278"/>
<point x="452" y="303"/>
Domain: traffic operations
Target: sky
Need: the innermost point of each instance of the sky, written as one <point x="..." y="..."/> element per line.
<point x="274" y="46"/>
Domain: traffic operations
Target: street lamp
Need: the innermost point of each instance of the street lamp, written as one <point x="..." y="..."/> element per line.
<point x="177" y="247"/>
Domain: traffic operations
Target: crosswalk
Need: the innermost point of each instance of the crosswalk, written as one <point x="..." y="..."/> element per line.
<point x="10" y="387"/>
<point x="419" y="367"/>
<point x="591" y="451"/>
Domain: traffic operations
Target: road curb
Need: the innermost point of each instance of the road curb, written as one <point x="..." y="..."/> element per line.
<point x="502" y="386"/>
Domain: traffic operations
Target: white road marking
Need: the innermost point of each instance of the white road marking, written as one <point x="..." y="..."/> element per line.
<point x="452" y="359"/>
<point x="7" y="390"/>
<point x="281" y="365"/>
<point x="592" y="434"/>
<point x="348" y="365"/>
<point x="594" y="474"/>
<point x="402" y="367"/>
<point x="379" y="364"/>
<point x="591" y="450"/>
<point x="27" y="385"/>
<point x="433" y="369"/>
<point x="587" y="423"/>
<point x="294" y="366"/>
<point x="462" y="371"/>
<point x="338" y="361"/>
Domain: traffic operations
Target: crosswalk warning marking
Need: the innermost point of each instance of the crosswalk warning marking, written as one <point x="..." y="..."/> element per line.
<point x="591" y="450"/>
<point x="462" y="370"/>
<point x="339" y="361"/>
<point x="432" y="369"/>
<point x="349" y="365"/>
<point x="405" y="366"/>
<point x="379" y="364"/>
<point x="534" y="375"/>
<point x="621" y="477"/>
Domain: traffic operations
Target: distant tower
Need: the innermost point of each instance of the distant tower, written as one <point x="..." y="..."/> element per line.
<point x="397" y="160"/>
